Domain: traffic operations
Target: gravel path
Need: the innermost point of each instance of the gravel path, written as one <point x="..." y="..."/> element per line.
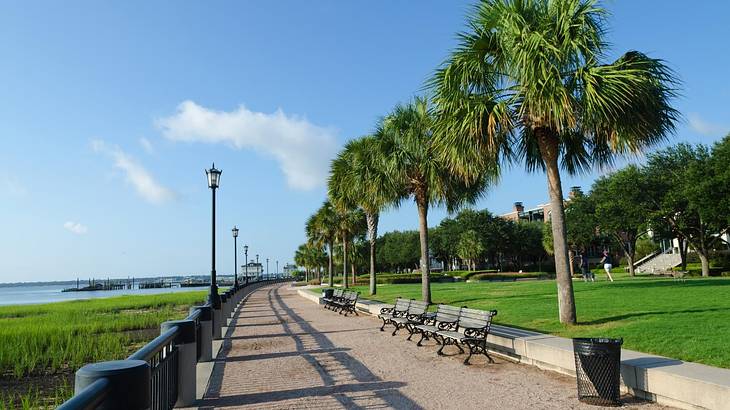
<point x="284" y="351"/>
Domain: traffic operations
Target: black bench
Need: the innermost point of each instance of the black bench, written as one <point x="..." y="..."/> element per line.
<point x="398" y="310"/>
<point x="445" y="318"/>
<point x="414" y="316"/>
<point x="346" y="304"/>
<point x="330" y="302"/>
<point x="475" y="325"/>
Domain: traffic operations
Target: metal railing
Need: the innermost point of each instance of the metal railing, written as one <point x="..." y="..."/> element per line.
<point x="160" y="387"/>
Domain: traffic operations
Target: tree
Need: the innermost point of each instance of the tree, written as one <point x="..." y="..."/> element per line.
<point x="321" y="228"/>
<point x="310" y="256"/>
<point x="527" y="83"/>
<point x="399" y="250"/>
<point x="406" y="138"/>
<point x="621" y="208"/>
<point x="357" y="179"/>
<point x="470" y="248"/>
<point x="688" y="193"/>
<point x="581" y="225"/>
<point x="351" y="222"/>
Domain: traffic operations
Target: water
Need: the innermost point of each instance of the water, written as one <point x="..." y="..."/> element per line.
<point x="34" y="294"/>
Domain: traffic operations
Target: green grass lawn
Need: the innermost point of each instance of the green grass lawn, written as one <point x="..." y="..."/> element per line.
<point x="41" y="346"/>
<point x="685" y="320"/>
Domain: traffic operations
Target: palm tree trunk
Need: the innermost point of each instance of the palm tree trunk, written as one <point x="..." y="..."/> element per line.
<point x="423" y="230"/>
<point x="372" y="220"/>
<point x="329" y="266"/>
<point x="549" y="150"/>
<point x="344" y="261"/>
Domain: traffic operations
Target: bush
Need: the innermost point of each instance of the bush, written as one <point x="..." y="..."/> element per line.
<point x="511" y="276"/>
<point x="466" y="274"/>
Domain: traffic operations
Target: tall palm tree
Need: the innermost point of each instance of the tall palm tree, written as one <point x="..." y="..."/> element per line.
<point x="527" y="83"/>
<point x="406" y="140"/>
<point x="351" y="222"/>
<point x="322" y="228"/>
<point x="357" y="180"/>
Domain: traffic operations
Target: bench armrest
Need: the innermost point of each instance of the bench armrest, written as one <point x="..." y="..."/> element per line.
<point x="387" y="309"/>
<point x="448" y="325"/>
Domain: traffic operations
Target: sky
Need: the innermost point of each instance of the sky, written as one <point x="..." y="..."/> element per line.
<point x="111" y="111"/>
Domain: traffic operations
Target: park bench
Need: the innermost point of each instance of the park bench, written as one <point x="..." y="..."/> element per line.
<point x="330" y="302"/>
<point x="475" y="325"/>
<point x="398" y="310"/>
<point x="414" y="316"/>
<point x="445" y="318"/>
<point x="346" y="304"/>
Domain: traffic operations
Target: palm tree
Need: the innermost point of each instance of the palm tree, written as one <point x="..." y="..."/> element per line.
<point x="527" y="83"/>
<point x="351" y="222"/>
<point x="406" y="140"/>
<point x="321" y="228"/>
<point x="357" y="180"/>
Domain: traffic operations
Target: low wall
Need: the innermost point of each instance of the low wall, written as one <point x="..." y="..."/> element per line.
<point x="664" y="380"/>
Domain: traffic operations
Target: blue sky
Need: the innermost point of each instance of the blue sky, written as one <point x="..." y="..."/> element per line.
<point x="110" y="111"/>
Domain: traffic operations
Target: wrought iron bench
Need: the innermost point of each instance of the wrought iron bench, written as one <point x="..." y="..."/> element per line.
<point x="346" y="304"/>
<point x="336" y="296"/>
<point x="475" y="325"/>
<point x="445" y="318"/>
<point x="414" y="316"/>
<point x="398" y="310"/>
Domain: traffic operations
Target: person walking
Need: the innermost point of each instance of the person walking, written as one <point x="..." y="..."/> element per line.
<point x="584" y="267"/>
<point x="607" y="264"/>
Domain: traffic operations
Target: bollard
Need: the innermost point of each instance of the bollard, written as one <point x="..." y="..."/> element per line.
<point x="206" y="332"/>
<point x="129" y="382"/>
<point x="186" y="360"/>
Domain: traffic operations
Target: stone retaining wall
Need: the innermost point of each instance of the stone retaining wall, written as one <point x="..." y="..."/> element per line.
<point x="664" y="380"/>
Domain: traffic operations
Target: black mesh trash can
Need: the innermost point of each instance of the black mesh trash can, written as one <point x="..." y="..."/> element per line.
<point x="598" y="370"/>
<point x="327" y="293"/>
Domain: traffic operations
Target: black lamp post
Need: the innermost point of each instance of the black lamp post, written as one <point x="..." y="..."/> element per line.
<point x="245" y="253"/>
<point x="257" y="266"/>
<point x="267" y="268"/>
<point x="277" y="269"/>
<point x="235" y="256"/>
<point x="214" y="178"/>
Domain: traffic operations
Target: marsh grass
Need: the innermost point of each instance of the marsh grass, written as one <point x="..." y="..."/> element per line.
<point x="58" y="338"/>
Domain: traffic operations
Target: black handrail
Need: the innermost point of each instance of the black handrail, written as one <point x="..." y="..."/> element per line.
<point x="161" y="354"/>
<point x="89" y="398"/>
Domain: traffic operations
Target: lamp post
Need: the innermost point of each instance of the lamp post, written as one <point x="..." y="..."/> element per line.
<point x="277" y="269"/>
<point x="245" y="253"/>
<point x="235" y="257"/>
<point x="257" y="266"/>
<point x="214" y="177"/>
<point x="267" y="268"/>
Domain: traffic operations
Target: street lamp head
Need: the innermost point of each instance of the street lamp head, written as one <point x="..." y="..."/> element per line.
<point x="245" y="248"/>
<point x="235" y="231"/>
<point x="214" y="177"/>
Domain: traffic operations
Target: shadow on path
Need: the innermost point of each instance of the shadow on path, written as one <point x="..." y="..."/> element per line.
<point x="343" y="378"/>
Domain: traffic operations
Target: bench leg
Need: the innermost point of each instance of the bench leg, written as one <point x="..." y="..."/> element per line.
<point x="471" y="352"/>
<point x="382" y="328"/>
<point x="396" y="329"/>
<point x="441" y="350"/>
<point x="423" y="336"/>
<point x="410" y="330"/>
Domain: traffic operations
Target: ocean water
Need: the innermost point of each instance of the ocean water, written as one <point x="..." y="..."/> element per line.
<point x="34" y="294"/>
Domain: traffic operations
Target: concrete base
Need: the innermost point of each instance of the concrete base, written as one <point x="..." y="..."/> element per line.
<point x="661" y="379"/>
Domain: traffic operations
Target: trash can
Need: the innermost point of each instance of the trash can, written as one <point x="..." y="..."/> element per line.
<point x="598" y="370"/>
<point x="327" y="293"/>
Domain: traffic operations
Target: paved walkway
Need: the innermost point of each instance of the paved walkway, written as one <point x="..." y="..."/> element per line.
<point x="283" y="351"/>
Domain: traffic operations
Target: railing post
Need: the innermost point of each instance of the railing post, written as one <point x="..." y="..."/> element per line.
<point x="217" y="319"/>
<point x="186" y="359"/>
<point x="129" y="382"/>
<point x="206" y="332"/>
<point x="224" y="309"/>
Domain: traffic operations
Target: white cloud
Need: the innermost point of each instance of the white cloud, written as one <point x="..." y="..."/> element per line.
<point x="302" y="149"/>
<point x="142" y="181"/>
<point x="75" y="227"/>
<point x="147" y="145"/>
<point x="706" y="128"/>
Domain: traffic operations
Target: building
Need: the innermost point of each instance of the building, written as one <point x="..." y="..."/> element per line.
<point x="253" y="270"/>
<point x="540" y="212"/>
<point x="290" y="270"/>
